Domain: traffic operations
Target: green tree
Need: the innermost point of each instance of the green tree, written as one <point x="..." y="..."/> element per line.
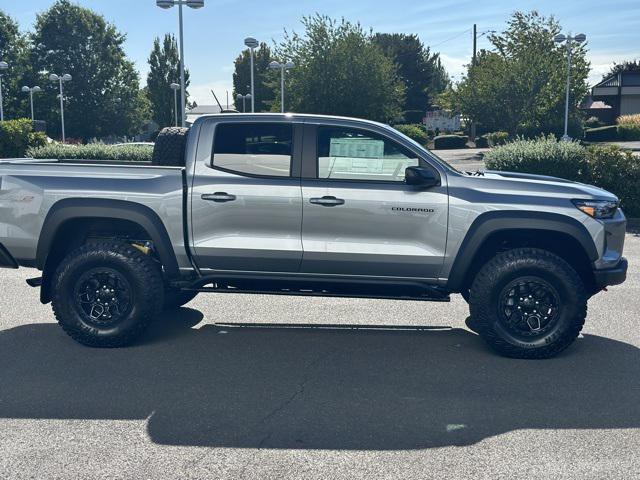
<point x="13" y="50"/>
<point x="164" y="69"/>
<point x="519" y="87"/>
<point x="626" y="66"/>
<point x="263" y="85"/>
<point x="339" y="70"/>
<point x="421" y="71"/>
<point x="103" y="98"/>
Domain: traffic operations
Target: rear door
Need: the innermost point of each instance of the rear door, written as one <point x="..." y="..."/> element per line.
<point x="359" y="215"/>
<point x="246" y="206"/>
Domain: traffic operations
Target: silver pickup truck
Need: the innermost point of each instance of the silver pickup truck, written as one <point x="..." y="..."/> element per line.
<point x="308" y="205"/>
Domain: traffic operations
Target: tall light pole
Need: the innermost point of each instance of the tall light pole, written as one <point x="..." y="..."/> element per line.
<point x="31" y="91"/>
<point x="175" y="87"/>
<point x="192" y="4"/>
<point x="569" y="40"/>
<point x="282" y="66"/>
<point x="61" y="78"/>
<point x="251" y="43"/>
<point x="3" y="66"/>
<point x="248" y="96"/>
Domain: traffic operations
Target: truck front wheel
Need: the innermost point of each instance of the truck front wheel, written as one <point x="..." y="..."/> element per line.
<point x="106" y="293"/>
<point x="528" y="303"/>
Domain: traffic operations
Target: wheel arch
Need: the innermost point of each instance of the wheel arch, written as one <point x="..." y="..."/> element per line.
<point x="67" y="216"/>
<point x="493" y="231"/>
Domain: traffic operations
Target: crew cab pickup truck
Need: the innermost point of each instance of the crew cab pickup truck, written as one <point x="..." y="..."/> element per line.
<point x="308" y="205"/>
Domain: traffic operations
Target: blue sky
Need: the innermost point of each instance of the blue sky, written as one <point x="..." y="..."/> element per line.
<point x="214" y="34"/>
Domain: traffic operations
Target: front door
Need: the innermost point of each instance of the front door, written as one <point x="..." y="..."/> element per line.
<point x="246" y="200"/>
<point x="359" y="215"/>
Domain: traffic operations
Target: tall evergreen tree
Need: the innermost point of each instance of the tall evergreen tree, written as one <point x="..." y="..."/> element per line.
<point x="263" y="86"/>
<point x="421" y="71"/>
<point x="104" y="96"/>
<point x="164" y="69"/>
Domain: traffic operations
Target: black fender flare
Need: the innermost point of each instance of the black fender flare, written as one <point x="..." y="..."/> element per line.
<point x="489" y="223"/>
<point x="88" y="208"/>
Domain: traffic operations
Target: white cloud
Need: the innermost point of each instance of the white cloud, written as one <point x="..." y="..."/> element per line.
<point x="456" y="66"/>
<point x="201" y="93"/>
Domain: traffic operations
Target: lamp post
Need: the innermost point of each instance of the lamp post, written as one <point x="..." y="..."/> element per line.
<point x="282" y="66"/>
<point x="192" y="4"/>
<point x="248" y="96"/>
<point x="251" y="43"/>
<point x="31" y="91"/>
<point x="3" y="66"/>
<point x="569" y="40"/>
<point x="61" y="78"/>
<point x="175" y="87"/>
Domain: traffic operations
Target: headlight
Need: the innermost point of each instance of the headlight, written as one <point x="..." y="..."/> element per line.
<point x="597" y="208"/>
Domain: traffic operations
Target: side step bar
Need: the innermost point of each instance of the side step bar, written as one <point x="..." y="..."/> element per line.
<point x="410" y="291"/>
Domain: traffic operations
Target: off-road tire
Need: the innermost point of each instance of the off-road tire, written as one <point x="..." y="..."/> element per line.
<point x="508" y="267"/>
<point x="176" y="298"/>
<point x="139" y="271"/>
<point x="169" y="149"/>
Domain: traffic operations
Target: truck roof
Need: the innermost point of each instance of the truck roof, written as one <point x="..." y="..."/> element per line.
<point x="290" y="116"/>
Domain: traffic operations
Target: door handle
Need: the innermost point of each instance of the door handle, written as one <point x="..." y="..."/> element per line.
<point x="218" y="197"/>
<point x="327" y="201"/>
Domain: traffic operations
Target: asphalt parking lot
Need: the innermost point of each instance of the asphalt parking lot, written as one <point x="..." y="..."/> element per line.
<point x="227" y="388"/>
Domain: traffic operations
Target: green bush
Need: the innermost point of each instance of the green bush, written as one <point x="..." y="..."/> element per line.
<point x="628" y="132"/>
<point x="446" y="142"/>
<point x="496" y="138"/>
<point x="543" y="156"/>
<point x="617" y="171"/>
<point x="482" y="142"/>
<point x="16" y="136"/>
<point x="601" y="134"/>
<point x="94" y="151"/>
<point x="413" y="131"/>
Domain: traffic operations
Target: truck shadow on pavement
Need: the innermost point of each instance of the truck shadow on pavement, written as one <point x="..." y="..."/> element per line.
<point x="310" y="388"/>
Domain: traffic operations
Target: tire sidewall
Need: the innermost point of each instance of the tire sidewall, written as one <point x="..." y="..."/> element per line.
<point x="144" y="300"/>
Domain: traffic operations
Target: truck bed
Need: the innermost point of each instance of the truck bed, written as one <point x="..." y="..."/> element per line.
<point x="29" y="188"/>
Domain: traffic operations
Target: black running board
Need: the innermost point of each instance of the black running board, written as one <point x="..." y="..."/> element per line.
<point x="391" y="292"/>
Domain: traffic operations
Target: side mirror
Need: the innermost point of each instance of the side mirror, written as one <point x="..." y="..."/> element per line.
<point x="421" y="177"/>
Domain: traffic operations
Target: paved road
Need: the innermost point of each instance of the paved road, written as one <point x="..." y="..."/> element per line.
<point x="198" y="399"/>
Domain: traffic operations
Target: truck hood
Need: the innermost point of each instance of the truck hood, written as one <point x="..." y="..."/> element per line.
<point x="543" y="183"/>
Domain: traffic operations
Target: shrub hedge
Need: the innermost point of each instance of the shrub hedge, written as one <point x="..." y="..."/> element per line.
<point x="628" y="131"/>
<point x="605" y="166"/>
<point x="482" y="142"/>
<point x="16" y="136"/>
<point x="496" y="138"/>
<point x="413" y="131"/>
<point x="444" y="142"/>
<point x="94" y="151"/>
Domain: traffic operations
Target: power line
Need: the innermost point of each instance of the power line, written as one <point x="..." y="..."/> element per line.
<point x="451" y="38"/>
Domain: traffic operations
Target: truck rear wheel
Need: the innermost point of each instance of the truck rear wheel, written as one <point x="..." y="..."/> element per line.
<point x="106" y="293"/>
<point x="528" y="303"/>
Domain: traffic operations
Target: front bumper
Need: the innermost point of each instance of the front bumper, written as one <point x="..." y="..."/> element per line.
<point x="612" y="276"/>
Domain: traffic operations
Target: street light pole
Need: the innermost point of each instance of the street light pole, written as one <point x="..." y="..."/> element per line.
<point x="282" y="66"/>
<point x="251" y="43"/>
<point x="3" y="66"/>
<point x="175" y="87"/>
<point x="31" y="91"/>
<point x="192" y="4"/>
<point x="61" y="78"/>
<point x="248" y="96"/>
<point x="581" y="37"/>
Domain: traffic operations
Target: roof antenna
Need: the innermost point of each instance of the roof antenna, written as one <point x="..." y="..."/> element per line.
<point x="217" y="101"/>
<point x="222" y="110"/>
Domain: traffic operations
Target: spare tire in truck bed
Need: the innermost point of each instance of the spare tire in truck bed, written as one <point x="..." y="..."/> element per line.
<point x="170" y="146"/>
